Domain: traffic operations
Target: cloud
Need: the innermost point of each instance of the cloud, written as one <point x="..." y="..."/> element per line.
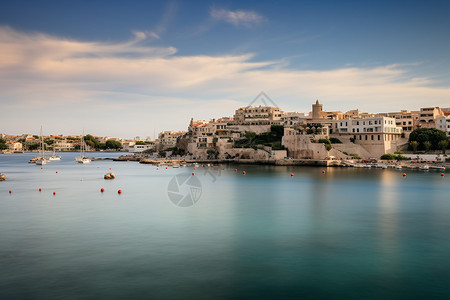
<point x="60" y="81"/>
<point x="238" y="17"/>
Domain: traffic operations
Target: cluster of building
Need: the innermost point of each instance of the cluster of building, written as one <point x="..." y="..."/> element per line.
<point x="360" y="133"/>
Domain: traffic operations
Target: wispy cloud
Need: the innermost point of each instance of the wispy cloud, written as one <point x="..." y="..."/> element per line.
<point x="59" y="80"/>
<point x="245" y="18"/>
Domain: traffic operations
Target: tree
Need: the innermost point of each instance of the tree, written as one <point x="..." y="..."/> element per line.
<point x="414" y="145"/>
<point x="443" y="145"/>
<point x="91" y="141"/>
<point x="427" y="145"/>
<point x="432" y="135"/>
<point x="112" y="144"/>
<point x="2" y="144"/>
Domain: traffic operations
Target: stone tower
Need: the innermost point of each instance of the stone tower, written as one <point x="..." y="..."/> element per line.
<point x="317" y="110"/>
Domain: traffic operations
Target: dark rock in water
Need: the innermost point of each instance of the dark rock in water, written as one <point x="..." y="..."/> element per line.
<point x="110" y="176"/>
<point x="2" y="177"/>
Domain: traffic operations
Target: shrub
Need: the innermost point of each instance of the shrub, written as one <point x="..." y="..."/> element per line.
<point x="325" y="141"/>
<point x="387" y="157"/>
<point x="335" y="141"/>
<point x="328" y="147"/>
<point x="355" y="156"/>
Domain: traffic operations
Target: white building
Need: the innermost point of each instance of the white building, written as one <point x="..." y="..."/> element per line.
<point x="140" y="148"/>
<point x="15" y="146"/>
<point x="378" y="135"/>
<point x="168" y="139"/>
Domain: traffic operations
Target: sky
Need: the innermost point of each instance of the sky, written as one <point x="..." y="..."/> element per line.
<point x="135" y="68"/>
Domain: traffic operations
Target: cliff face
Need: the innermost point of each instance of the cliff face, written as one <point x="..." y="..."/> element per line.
<point x="300" y="147"/>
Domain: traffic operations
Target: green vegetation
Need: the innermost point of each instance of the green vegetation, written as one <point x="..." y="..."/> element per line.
<point x="393" y="157"/>
<point x="427" y="139"/>
<point x="335" y="141"/>
<point x="355" y="156"/>
<point x="325" y="141"/>
<point x="2" y="144"/>
<point x="328" y="147"/>
<point x="443" y="144"/>
<point x="140" y="143"/>
<point x="253" y="140"/>
<point x="176" y="151"/>
<point x="414" y="145"/>
<point x="112" y="144"/>
<point x="32" y="147"/>
<point x="91" y="141"/>
<point x="212" y="153"/>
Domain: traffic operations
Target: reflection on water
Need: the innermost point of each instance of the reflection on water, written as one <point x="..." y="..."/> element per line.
<point x="346" y="234"/>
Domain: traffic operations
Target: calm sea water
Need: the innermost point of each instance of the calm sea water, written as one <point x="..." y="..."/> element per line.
<point x="348" y="234"/>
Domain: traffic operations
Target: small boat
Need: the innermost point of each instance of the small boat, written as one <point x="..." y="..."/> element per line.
<point x="437" y="168"/>
<point x="398" y="167"/>
<point x="425" y="167"/>
<point x="83" y="159"/>
<point x="42" y="160"/>
<point x="54" y="157"/>
<point x="175" y="166"/>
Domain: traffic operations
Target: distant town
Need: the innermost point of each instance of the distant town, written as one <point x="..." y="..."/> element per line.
<point x="266" y="132"/>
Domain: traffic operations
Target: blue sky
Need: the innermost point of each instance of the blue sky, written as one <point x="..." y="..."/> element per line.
<point x="127" y="68"/>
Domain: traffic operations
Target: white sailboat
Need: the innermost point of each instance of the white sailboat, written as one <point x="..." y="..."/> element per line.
<point x="54" y="156"/>
<point x="83" y="159"/>
<point x="43" y="159"/>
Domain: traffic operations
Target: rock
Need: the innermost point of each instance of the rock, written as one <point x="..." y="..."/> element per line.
<point x="2" y="177"/>
<point x="110" y="176"/>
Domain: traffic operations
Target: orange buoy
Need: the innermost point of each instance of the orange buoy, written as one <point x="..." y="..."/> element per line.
<point x="40" y="190"/>
<point x="194" y="168"/>
<point x="323" y="171"/>
<point x="235" y="170"/>
<point x="292" y="174"/>
<point x="243" y="172"/>
<point x="119" y="192"/>
<point x="192" y="173"/>
<point x="404" y="174"/>
<point x="10" y="192"/>
<point x="442" y="174"/>
<point x="54" y="193"/>
<point x="102" y="190"/>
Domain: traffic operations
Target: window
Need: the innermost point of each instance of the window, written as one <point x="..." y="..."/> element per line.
<point x="379" y="137"/>
<point x="372" y="137"/>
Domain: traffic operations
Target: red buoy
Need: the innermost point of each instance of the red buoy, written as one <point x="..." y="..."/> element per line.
<point x="235" y="170"/>
<point x="119" y="192"/>
<point x="156" y="168"/>
<point x="54" y="193"/>
<point x="323" y="171"/>
<point x="194" y="168"/>
<point x="102" y="190"/>
<point x="211" y="168"/>
<point x="243" y="172"/>
<point x="10" y="192"/>
<point x="40" y="190"/>
<point x="292" y="174"/>
<point x="56" y="172"/>
<point x="192" y="173"/>
<point x="442" y="174"/>
<point x="166" y="168"/>
<point x="404" y="174"/>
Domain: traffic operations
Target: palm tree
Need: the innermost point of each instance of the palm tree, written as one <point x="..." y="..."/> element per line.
<point x="443" y="145"/>
<point x="414" y="145"/>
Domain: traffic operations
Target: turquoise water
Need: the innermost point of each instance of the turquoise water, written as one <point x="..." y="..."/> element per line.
<point x="346" y="234"/>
